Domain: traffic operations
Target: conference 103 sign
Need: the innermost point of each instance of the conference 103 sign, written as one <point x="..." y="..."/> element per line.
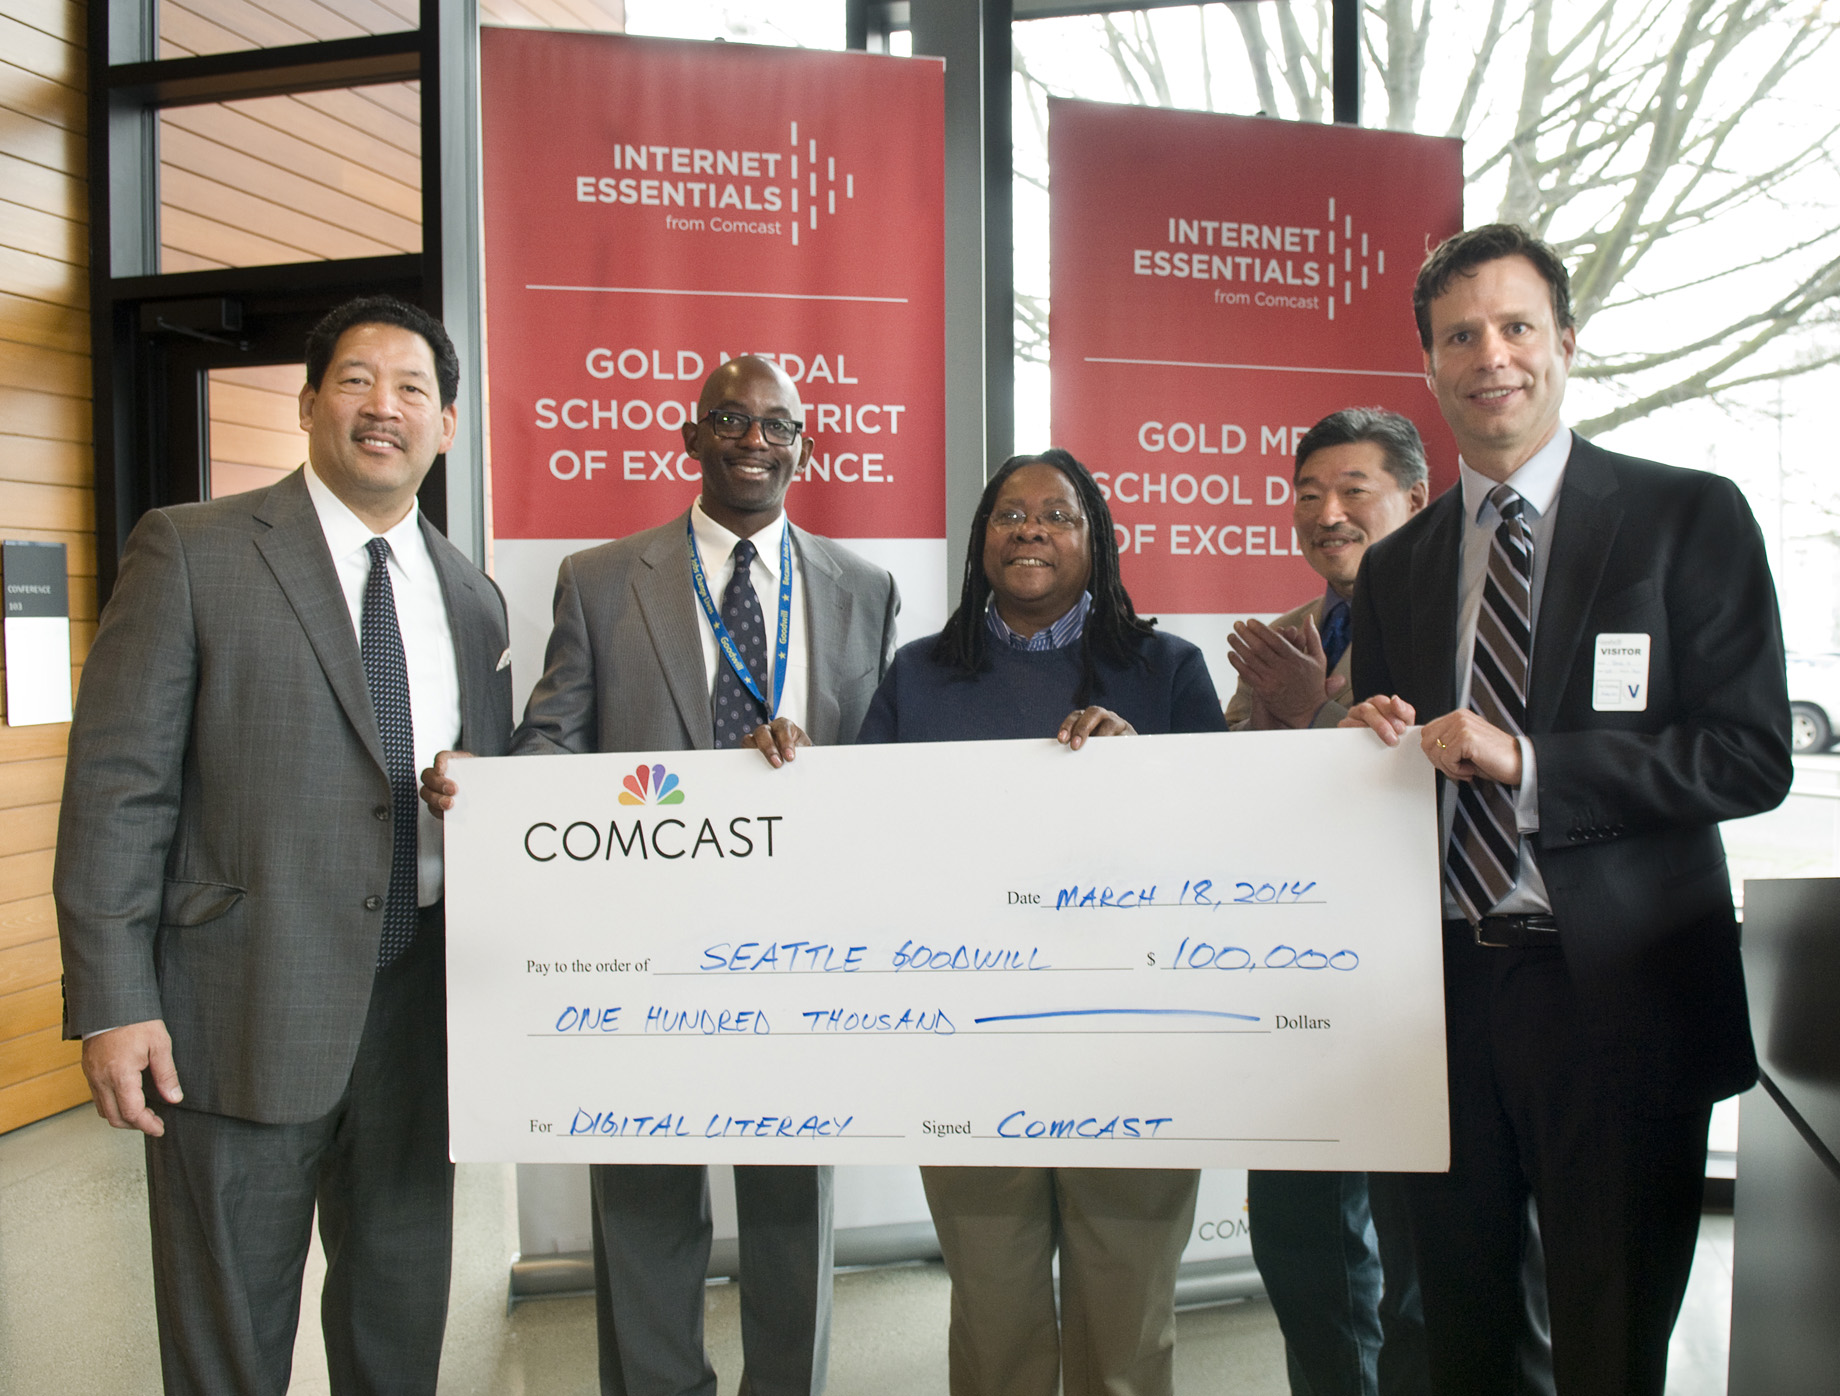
<point x="654" y="207"/>
<point x="1219" y="284"/>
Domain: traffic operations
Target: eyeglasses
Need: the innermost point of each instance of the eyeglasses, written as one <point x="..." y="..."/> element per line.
<point x="1054" y="520"/>
<point x="732" y="426"/>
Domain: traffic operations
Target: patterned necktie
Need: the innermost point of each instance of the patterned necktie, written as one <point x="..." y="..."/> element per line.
<point x="1335" y="636"/>
<point x="1483" y="861"/>
<point x="387" y="673"/>
<point x="737" y="712"/>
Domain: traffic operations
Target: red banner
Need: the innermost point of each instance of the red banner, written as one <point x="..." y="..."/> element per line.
<point x="653" y="207"/>
<point x="1221" y="283"/>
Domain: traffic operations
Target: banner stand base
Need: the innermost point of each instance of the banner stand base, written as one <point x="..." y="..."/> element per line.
<point x="569" y="1275"/>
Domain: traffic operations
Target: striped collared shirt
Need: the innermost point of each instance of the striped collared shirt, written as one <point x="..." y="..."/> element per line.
<point x="1053" y="637"/>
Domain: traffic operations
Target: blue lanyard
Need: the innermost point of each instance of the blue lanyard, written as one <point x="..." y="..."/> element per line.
<point x="726" y="642"/>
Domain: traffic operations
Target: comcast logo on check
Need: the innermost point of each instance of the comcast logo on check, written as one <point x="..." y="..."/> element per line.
<point x="651" y="785"/>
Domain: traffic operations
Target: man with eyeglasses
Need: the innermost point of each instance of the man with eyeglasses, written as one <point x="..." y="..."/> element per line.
<point x="726" y="627"/>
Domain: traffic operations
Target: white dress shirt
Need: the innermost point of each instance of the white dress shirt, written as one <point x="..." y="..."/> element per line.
<point x="1537" y="482"/>
<point x="427" y="639"/>
<point x="716" y="546"/>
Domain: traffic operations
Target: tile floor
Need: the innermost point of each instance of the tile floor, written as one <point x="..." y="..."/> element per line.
<point x="76" y="1303"/>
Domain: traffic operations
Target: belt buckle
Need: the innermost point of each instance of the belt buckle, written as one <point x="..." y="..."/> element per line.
<point x="1523" y="933"/>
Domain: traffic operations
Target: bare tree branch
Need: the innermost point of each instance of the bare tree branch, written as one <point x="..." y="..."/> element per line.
<point x="1611" y="134"/>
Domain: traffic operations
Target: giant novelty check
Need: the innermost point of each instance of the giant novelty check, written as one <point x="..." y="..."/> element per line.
<point x="1186" y="951"/>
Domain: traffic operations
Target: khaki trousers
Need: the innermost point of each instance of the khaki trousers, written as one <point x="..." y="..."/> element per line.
<point x="1120" y="1233"/>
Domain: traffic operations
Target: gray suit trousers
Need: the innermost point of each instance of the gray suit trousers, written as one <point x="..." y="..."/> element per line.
<point x="232" y="1206"/>
<point x="651" y="1256"/>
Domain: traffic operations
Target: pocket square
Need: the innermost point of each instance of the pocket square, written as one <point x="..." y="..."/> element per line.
<point x="504" y="661"/>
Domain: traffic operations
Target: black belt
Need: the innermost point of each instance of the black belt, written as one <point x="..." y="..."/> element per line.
<point x="1509" y="932"/>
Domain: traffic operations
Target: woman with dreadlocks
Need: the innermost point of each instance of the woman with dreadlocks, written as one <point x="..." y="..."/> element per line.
<point x="1045" y="640"/>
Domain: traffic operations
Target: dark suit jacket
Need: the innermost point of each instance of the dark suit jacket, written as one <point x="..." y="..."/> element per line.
<point x="1629" y="801"/>
<point x="624" y="667"/>
<point x="226" y="808"/>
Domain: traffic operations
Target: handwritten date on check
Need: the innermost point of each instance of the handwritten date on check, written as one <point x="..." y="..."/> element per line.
<point x="1211" y="951"/>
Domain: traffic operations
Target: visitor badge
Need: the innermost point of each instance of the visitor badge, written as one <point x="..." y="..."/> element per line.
<point x="1620" y="682"/>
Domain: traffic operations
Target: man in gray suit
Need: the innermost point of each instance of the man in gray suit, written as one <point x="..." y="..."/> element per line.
<point x="661" y="643"/>
<point x="247" y="897"/>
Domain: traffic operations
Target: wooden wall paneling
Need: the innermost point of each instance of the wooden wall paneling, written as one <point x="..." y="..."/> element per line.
<point x="40" y="1096"/>
<point x="26" y="828"/>
<point x="36" y="742"/>
<point x="27" y="229"/>
<point x="39" y="186"/>
<point x="35" y="1053"/>
<point x="30" y="136"/>
<point x="46" y="492"/>
<point x="43" y="414"/>
<point x="38" y="461"/>
<point x="38" y="52"/>
<point x="25" y="875"/>
<point x="40" y="370"/>
<point x="42" y="278"/>
<point x="32" y="918"/>
<point x="46" y="506"/>
<point x="61" y="19"/>
<point x="25" y="320"/>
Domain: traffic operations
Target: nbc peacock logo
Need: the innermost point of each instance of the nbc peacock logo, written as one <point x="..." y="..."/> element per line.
<point x="651" y="785"/>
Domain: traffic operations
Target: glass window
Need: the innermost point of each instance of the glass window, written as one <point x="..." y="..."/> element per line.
<point x="792" y="23"/>
<point x="189" y="27"/>
<point x="255" y="436"/>
<point x="305" y="177"/>
<point x="596" y="16"/>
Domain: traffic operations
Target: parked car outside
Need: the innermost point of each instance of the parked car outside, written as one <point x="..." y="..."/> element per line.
<point x="1814" y="701"/>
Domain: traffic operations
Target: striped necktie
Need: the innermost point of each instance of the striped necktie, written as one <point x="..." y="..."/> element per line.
<point x="1483" y="861"/>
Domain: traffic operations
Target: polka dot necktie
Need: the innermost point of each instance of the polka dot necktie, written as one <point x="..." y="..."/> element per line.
<point x="387" y="673"/>
<point x="736" y="711"/>
<point x="1483" y="861"/>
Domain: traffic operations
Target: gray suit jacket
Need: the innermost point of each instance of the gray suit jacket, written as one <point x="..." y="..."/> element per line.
<point x="1239" y="707"/>
<point x="624" y="668"/>
<point x="226" y="820"/>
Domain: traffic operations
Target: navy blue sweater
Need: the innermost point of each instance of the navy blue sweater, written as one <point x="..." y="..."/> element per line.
<point x="1027" y="694"/>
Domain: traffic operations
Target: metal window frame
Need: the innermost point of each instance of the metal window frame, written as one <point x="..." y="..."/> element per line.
<point x="128" y="87"/>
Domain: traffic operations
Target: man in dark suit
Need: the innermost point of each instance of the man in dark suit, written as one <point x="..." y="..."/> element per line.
<point x="1594" y="644"/>
<point x="247" y="898"/>
<point x="662" y="643"/>
<point x="1360" y="473"/>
